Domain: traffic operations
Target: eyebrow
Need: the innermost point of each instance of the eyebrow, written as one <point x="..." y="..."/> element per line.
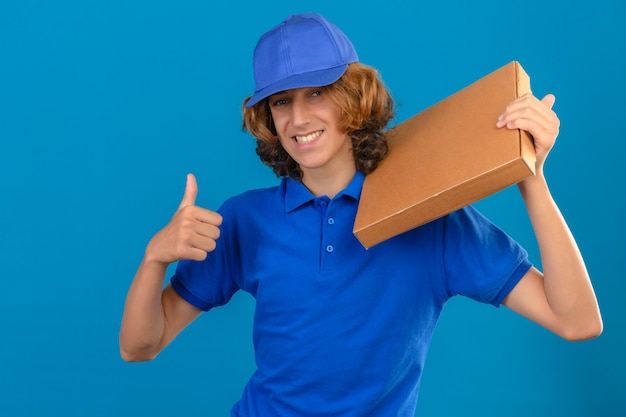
<point x="280" y="93"/>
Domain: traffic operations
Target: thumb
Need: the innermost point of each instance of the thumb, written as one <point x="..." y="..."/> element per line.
<point x="549" y="100"/>
<point x="191" y="191"/>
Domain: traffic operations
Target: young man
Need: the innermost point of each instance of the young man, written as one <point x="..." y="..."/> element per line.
<point x="339" y="330"/>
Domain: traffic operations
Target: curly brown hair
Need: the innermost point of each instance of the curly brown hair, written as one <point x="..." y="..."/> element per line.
<point x="366" y="109"/>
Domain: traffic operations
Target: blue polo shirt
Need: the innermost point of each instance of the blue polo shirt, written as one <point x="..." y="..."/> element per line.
<point x="340" y="330"/>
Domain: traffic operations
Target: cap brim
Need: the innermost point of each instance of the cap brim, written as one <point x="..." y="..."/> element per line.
<point x="309" y="79"/>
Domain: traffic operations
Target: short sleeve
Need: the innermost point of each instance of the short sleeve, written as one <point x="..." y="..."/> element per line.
<point x="480" y="260"/>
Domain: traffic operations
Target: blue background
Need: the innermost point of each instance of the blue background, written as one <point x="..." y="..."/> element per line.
<point x="106" y="105"/>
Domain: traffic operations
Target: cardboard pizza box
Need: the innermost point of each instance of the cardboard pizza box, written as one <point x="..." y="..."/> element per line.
<point x="446" y="157"/>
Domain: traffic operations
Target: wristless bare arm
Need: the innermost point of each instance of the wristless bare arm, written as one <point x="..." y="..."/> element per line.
<point x="153" y="316"/>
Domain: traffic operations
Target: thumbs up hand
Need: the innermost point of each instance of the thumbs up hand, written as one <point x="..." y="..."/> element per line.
<point x="190" y="234"/>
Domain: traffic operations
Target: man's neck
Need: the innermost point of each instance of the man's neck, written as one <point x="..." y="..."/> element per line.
<point x="323" y="182"/>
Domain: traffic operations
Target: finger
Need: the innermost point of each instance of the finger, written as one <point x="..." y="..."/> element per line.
<point x="195" y="254"/>
<point x="538" y="116"/>
<point x="209" y="217"/>
<point x="202" y="243"/>
<point x="191" y="191"/>
<point x="528" y="102"/>
<point x="549" y="100"/>
<point x="520" y="104"/>
<point x="200" y="214"/>
<point x="205" y="229"/>
<point x="528" y="110"/>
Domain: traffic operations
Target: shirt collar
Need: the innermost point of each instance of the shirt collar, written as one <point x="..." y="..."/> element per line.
<point x="296" y="194"/>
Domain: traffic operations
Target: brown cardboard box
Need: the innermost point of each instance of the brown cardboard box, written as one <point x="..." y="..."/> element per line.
<point x="446" y="157"/>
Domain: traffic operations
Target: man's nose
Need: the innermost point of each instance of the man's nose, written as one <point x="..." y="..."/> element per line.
<point x="299" y="113"/>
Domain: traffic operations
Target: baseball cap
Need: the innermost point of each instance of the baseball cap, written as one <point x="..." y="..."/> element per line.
<point x="305" y="50"/>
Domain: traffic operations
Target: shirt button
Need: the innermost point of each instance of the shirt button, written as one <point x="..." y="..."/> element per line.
<point x="331" y="220"/>
<point x="330" y="248"/>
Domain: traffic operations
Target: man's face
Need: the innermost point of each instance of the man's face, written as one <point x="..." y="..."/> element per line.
<point x="307" y="124"/>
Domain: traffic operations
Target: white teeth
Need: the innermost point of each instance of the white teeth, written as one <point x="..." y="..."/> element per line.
<point x="308" y="138"/>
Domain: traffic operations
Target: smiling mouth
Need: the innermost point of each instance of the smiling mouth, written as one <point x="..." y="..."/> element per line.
<point x="303" y="140"/>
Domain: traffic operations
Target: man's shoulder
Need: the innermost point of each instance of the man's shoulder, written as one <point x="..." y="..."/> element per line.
<point x="256" y="199"/>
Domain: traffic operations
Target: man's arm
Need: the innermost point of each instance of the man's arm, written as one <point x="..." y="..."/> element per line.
<point x="153" y="316"/>
<point x="561" y="298"/>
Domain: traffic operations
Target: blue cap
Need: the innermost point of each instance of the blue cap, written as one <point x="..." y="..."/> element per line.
<point x="305" y="50"/>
